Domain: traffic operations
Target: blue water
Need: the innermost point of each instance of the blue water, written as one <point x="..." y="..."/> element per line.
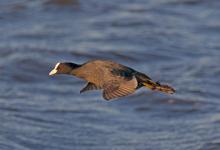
<point x="173" y="41"/>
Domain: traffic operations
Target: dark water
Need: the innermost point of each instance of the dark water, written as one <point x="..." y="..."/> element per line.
<point x="174" y="41"/>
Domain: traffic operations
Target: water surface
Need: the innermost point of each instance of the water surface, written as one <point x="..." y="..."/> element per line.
<point x="174" y="41"/>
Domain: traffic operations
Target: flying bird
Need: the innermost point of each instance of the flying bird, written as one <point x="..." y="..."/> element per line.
<point x="114" y="79"/>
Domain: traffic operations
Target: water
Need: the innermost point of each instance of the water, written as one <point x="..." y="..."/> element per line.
<point x="174" y="41"/>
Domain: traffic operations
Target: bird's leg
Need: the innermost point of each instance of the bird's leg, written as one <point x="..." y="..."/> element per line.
<point x="156" y="86"/>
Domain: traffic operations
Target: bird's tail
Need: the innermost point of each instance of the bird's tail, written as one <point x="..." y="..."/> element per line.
<point x="156" y="86"/>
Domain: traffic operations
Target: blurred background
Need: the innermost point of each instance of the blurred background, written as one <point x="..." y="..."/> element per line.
<point x="173" y="41"/>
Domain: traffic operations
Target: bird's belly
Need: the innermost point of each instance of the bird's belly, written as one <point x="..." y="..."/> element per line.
<point x="94" y="76"/>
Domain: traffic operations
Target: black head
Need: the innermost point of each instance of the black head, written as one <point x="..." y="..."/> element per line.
<point x="63" y="68"/>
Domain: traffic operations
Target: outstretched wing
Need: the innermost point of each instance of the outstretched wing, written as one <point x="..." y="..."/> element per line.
<point x="89" y="86"/>
<point x="119" y="88"/>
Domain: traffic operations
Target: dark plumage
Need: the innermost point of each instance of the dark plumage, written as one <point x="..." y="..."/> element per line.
<point x="115" y="79"/>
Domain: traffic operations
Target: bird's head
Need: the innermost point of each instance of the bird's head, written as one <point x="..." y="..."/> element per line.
<point x="63" y="68"/>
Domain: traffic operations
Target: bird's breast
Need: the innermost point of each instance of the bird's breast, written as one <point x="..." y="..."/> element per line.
<point x="92" y="74"/>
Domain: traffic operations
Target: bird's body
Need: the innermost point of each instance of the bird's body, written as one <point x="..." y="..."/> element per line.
<point x="101" y="72"/>
<point x="115" y="79"/>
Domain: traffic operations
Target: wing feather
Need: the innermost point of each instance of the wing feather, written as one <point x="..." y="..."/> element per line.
<point x="89" y="86"/>
<point x="119" y="89"/>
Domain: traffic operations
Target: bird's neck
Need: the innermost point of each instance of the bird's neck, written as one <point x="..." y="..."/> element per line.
<point x="69" y="67"/>
<point x="79" y="71"/>
<point x="73" y="66"/>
